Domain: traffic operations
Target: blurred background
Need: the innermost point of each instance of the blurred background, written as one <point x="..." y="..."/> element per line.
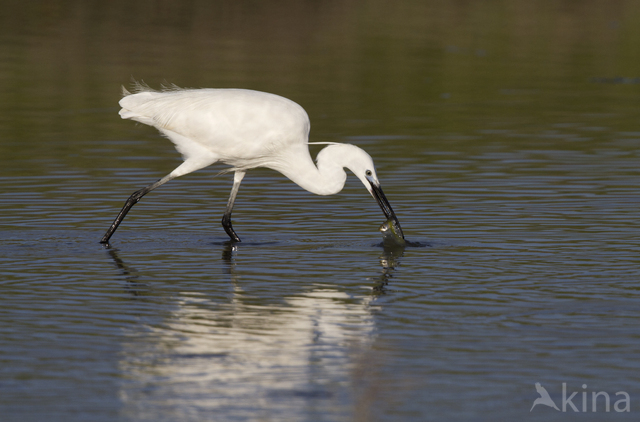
<point x="506" y="136"/>
<point x="418" y="68"/>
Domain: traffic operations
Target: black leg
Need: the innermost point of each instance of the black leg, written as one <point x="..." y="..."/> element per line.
<point x="226" y="218"/>
<point x="133" y="199"/>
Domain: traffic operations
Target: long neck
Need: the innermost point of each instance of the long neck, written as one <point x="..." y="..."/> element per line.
<point x="327" y="178"/>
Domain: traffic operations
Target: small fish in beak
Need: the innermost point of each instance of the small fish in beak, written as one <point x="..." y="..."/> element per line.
<point x="391" y="230"/>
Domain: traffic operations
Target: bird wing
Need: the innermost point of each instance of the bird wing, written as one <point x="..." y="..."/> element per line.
<point x="236" y="124"/>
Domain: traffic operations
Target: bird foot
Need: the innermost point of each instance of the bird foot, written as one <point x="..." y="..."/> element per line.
<point x="226" y="224"/>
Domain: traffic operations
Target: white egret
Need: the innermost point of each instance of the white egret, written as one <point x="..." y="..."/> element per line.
<point x="244" y="129"/>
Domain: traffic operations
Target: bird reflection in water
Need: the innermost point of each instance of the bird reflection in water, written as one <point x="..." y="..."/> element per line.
<point x="229" y="257"/>
<point x="130" y="274"/>
<point x="290" y="349"/>
<point x="389" y="260"/>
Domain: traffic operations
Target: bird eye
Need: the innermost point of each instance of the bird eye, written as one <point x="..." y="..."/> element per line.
<point x="368" y="172"/>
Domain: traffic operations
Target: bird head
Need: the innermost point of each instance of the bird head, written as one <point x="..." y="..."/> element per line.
<point x="361" y="164"/>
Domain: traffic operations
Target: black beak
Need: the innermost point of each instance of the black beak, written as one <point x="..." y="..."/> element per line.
<point x="377" y="193"/>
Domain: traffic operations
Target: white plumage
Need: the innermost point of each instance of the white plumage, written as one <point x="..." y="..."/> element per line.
<point x="243" y="129"/>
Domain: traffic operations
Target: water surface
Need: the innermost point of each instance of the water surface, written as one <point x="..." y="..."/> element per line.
<point x="506" y="138"/>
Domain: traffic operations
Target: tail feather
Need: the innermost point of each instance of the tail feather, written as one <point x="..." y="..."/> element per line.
<point x="140" y="86"/>
<point x="170" y="87"/>
<point x="136" y="88"/>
